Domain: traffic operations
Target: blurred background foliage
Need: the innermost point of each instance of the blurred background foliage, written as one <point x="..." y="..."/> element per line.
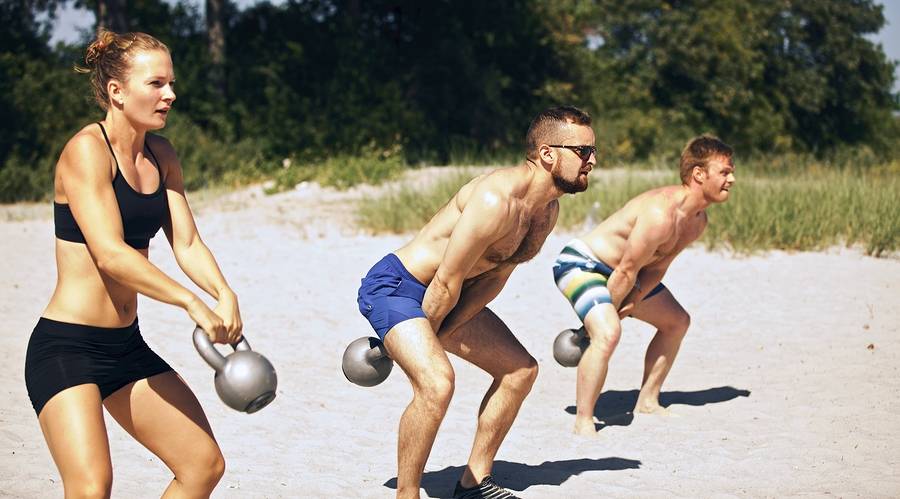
<point x="342" y="91"/>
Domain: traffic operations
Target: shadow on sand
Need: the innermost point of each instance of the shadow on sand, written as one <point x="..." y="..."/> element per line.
<point x="517" y="476"/>
<point x="614" y="407"/>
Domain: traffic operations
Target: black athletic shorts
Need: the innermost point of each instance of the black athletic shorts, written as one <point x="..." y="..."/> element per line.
<point x="62" y="355"/>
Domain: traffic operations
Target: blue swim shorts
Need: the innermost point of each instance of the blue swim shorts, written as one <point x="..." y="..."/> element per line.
<point x="389" y="295"/>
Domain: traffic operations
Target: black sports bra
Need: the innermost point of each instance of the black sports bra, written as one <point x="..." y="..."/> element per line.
<point x="142" y="214"/>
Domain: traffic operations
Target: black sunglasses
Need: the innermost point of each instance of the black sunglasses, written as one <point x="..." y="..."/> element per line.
<point x="583" y="152"/>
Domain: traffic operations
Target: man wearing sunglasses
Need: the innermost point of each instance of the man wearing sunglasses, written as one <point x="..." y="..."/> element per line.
<point x="615" y="271"/>
<point x="429" y="297"/>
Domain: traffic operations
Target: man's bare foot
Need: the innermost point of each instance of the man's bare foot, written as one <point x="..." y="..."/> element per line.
<point x="654" y="409"/>
<point x="585" y="429"/>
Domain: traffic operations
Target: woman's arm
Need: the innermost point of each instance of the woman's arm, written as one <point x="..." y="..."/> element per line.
<point x="191" y="253"/>
<point x="87" y="183"/>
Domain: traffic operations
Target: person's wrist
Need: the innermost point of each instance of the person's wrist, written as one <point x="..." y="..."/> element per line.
<point x="226" y="293"/>
<point x="189" y="300"/>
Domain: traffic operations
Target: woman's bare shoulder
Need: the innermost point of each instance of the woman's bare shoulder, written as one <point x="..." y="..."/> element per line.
<point x="159" y="144"/>
<point x="85" y="150"/>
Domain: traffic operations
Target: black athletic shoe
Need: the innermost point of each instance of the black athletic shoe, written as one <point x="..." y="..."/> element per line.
<point x="487" y="489"/>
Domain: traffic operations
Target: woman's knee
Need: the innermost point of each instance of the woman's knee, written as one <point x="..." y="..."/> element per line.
<point x="216" y="468"/>
<point x="89" y="484"/>
<point x="203" y="471"/>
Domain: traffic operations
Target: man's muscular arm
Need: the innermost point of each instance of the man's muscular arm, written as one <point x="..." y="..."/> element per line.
<point x="475" y="296"/>
<point x="485" y="218"/>
<point x="479" y="291"/>
<point x="650" y="276"/>
<point x="650" y="231"/>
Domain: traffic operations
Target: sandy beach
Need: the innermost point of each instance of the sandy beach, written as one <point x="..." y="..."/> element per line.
<point x="786" y="385"/>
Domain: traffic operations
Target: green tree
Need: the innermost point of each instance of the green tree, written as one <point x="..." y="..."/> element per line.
<point x="433" y="76"/>
<point x="40" y="106"/>
<point x="764" y="74"/>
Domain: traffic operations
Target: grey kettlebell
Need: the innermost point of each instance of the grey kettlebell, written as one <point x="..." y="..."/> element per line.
<point x="569" y="346"/>
<point x="366" y="362"/>
<point x="245" y="380"/>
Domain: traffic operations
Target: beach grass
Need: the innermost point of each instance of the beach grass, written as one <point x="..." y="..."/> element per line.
<point x="407" y="207"/>
<point x="807" y="207"/>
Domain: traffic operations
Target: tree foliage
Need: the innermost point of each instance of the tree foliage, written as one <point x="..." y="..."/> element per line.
<point x="764" y="74"/>
<point x="439" y="80"/>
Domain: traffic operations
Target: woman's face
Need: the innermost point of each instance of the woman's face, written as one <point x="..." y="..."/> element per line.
<point x="150" y="90"/>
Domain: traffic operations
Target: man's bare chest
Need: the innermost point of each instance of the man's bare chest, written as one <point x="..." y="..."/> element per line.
<point x="684" y="233"/>
<point x="522" y="244"/>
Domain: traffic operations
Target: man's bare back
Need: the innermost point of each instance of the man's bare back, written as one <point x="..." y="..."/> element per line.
<point x="662" y="207"/>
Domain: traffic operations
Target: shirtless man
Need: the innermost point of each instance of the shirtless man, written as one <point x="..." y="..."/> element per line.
<point x="615" y="270"/>
<point x="429" y="297"/>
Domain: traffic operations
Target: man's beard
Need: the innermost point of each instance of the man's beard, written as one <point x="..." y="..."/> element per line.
<point x="570" y="186"/>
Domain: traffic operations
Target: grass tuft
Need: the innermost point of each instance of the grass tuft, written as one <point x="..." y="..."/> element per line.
<point x="812" y="206"/>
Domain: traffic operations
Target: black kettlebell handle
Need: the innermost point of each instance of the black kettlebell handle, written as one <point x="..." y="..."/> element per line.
<point x="377" y="350"/>
<point x="208" y="351"/>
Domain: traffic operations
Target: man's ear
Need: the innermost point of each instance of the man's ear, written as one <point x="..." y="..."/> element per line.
<point x="698" y="174"/>
<point x="547" y="154"/>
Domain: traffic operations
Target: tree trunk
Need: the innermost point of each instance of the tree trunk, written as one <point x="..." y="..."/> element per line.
<point x="112" y="15"/>
<point x="215" y="33"/>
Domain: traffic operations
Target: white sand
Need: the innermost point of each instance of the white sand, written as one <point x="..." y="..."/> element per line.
<point x="787" y="383"/>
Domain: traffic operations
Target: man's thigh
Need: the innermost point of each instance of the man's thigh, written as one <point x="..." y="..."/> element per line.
<point x="415" y="348"/>
<point x="487" y="342"/>
<point x="660" y="310"/>
<point x="602" y="323"/>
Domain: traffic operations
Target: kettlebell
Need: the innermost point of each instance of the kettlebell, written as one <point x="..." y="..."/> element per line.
<point x="245" y="380"/>
<point x="366" y="362"/>
<point x="569" y="345"/>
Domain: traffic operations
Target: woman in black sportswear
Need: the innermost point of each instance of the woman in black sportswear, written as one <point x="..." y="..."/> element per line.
<point x="115" y="186"/>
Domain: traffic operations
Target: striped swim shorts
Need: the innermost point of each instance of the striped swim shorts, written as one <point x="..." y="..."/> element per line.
<point x="582" y="277"/>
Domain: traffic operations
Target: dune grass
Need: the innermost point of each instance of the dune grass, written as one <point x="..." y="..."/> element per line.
<point x="807" y="207"/>
<point x="811" y="210"/>
<point x="407" y="208"/>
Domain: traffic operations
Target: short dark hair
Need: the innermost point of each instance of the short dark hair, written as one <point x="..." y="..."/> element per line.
<point x="545" y="125"/>
<point x="699" y="151"/>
